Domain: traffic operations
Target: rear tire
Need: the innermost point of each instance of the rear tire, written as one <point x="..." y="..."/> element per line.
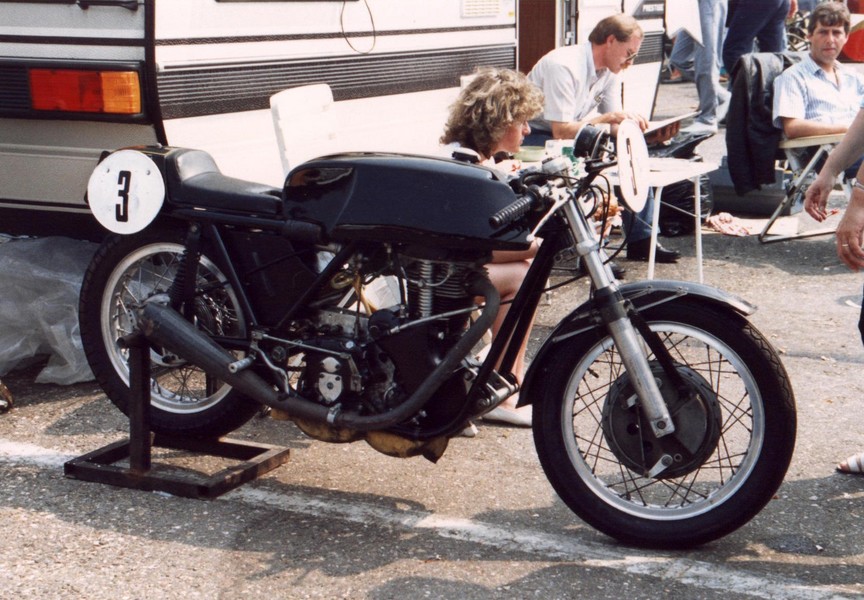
<point x="596" y="448"/>
<point x="127" y="270"/>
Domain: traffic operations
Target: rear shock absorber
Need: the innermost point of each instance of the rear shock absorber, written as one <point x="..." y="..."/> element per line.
<point x="182" y="291"/>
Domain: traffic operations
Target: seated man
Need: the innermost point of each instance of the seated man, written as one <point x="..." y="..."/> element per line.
<point x="819" y="95"/>
<point x="581" y="87"/>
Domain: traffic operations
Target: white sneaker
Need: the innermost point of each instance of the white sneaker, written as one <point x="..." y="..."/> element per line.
<point x="518" y="417"/>
<point x="469" y="432"/>
<point x="699" y="128"/>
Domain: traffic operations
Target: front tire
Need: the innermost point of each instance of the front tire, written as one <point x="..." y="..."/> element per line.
<point x="597" y="450"/>
<point x="128" y="270"/>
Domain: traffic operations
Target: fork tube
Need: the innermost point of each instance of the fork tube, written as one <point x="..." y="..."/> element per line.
<point x="613" y="311"/>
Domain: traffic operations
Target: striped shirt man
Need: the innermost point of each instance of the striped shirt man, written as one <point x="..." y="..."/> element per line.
<point x="805" y="91"/>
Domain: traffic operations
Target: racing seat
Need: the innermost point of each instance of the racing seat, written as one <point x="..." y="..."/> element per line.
<point x="754" y="145"/>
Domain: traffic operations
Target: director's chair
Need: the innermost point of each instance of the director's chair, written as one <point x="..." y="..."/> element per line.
<point x="804" y="157"/>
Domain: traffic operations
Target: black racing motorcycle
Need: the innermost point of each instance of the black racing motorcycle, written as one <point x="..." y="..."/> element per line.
<point x="353" y="301"/>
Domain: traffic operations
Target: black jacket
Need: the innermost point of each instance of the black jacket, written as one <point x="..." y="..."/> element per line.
<point x="751" y="138"/>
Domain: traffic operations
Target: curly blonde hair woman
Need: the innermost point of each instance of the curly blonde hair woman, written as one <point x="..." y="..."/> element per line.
<point x="492" y="112"/>
<point x="490" y="116"/>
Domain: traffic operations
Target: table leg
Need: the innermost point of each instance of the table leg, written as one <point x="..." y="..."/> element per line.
<point x="697" y="194"/>
<point x="655" y="225"/>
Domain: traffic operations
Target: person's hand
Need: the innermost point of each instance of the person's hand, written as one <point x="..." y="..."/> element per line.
<point x="663" y="134"/>
<point x="816" y="199"/>
<point x="614" y="118"/>
<point x="850" y="231"/>
<point x="793" y="8"/>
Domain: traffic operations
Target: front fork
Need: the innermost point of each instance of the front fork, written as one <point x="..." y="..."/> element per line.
<point x="613" y="310"/>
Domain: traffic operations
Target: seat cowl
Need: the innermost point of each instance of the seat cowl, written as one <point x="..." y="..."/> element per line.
<point x="194" y="179"/>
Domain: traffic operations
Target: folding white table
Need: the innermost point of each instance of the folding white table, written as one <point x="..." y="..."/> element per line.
<point x="666" y="171"/>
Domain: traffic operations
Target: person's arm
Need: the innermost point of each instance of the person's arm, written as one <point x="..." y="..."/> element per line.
<point x="850" y="231"/>
<point x="843" y="155"/>
<point x="565" y="130"/>
<point x="789" y="107"/>
<point x="663" y="134"/>
<point x="610" y="112"/>
<point x="797" y="128"/>
<point x="793" y="8"/>
<point x="506" y="256"/>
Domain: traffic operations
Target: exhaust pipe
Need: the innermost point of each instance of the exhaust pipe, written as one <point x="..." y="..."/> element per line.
<point x="164" y="326"/>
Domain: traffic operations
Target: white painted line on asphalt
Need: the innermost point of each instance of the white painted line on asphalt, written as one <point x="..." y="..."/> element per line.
<point x="22" y="452"/>
<point x="698" y="574"/>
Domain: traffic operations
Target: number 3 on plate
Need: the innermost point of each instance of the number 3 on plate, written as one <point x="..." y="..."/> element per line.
<point x="125" y="191"/>
<point x="122" y="209"/>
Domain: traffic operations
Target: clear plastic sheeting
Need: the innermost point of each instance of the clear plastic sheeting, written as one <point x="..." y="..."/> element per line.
<point x="40" y="279"/>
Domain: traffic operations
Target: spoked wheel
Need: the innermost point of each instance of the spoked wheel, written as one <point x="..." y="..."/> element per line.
<point x="796" y="33"/>
<point x="734" y="414"/>
<point x="125" y="272"/>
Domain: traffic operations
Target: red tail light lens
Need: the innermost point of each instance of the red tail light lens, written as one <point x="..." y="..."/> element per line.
<point x="73" y="90"/>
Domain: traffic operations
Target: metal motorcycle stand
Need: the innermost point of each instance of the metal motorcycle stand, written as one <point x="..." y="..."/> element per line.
<point x="98" y="466"/>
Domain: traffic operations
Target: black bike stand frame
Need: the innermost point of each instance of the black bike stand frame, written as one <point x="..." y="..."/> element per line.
<point x="98" y="466"/>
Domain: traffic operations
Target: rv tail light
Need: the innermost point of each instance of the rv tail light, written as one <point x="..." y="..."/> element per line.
<point x="73" y="90"/>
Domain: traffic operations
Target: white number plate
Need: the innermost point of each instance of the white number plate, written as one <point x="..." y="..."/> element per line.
<point x="632" y="164"/>
<point x="126" y="191"/>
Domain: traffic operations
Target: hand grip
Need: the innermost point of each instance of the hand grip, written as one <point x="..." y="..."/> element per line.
<point x="521" y="207"/>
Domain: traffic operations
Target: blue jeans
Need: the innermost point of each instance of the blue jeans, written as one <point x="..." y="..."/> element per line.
<point x="638" y="226"/>
<point x="682" y="54"/>
<point x="705" y="67"/>
<point x="763" y="21"/>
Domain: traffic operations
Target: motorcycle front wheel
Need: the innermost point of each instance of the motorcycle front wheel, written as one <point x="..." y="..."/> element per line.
<point x="735" y="429"/>
<point x="126" y="271"/>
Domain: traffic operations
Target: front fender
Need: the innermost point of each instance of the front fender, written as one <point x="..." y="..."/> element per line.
<point x="643" y="295"/>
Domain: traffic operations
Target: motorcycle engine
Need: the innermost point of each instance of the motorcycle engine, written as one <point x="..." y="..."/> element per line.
<point x="347" y="370"/>
<point x="371" y="363"/>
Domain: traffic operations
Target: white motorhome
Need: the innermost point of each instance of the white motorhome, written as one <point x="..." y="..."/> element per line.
<point x="81" y="77"/>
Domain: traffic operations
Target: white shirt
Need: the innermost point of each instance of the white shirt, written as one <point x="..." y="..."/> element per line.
<point x="805" y="91"/>
<point x="573" y="87"/>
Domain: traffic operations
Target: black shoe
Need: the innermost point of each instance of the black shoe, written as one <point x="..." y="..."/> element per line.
<point x="640" y="249"/>
<point x="617" y="270"/>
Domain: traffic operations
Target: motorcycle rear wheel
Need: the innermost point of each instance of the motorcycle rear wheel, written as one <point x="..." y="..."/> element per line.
<point x="127" y="270"/>
<point x="590" y="438"/>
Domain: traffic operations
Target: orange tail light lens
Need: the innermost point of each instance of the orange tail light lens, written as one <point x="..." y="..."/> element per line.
<point x="73" y="90"/>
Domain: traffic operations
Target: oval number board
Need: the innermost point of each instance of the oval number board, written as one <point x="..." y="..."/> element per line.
<point x="126" y="191"/>
<point x="632" y="164"/>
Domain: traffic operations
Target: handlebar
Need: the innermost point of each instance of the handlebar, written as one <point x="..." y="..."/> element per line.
<point x="521" y="207"/>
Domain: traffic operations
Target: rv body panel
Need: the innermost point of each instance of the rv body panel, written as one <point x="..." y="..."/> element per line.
<point x="207" y="68"/>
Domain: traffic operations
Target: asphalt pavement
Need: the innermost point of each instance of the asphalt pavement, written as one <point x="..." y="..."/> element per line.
<point x="343" y="521"/>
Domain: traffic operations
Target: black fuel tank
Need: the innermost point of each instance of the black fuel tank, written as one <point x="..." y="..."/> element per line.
<point x="402" y="198"/>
